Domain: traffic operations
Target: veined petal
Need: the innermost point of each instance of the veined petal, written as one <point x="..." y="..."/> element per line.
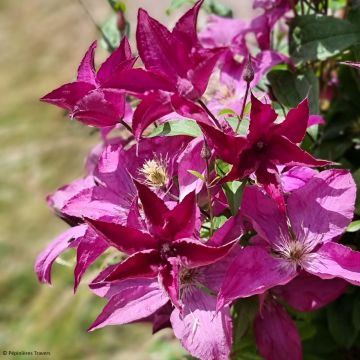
<point x="130" y="305"/>
<point x="194" y="254"/>
<point x="143" y="264"/>
<point x="126" y="239"/>
<point x="46" y="258"/>
<point x="228" y="147"/>
<point x="262" y="116"/>
<point x="89" y="249"/>
<point x="111" y="64"/>
<point x="66" y="96"/>
<point x="323" y="208"/>
<point x="277" y="337"/>
<point x="333" y="260"/>
<point x="152" y="107"/>
<point x="263" y="211"/>
<point x="295" y="124"/>
<point x="86" y="70"/>
<point x="253" y="272"/>
<point x="205" y="333"/>
<point x="169" y="278"/>
<point x="308" y="292"/>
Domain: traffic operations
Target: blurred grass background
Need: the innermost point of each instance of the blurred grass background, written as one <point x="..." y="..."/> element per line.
<point x="41" y="44"/>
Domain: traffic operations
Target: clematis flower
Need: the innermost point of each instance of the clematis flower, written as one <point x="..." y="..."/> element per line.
<point x="267" y="145"/>
<point x="88" y="99"/>
<point x="205" y="333"/>
<point x="168" y="242"/>
<point x="304" y="240"/>
<point x="277" y="337"/>
<point x="178" y="70"/>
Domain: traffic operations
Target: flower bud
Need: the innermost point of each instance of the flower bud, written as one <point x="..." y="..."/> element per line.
<point x="205" y="152"/>
<point x="120" y="21"/>
<point x="248" y="74"/>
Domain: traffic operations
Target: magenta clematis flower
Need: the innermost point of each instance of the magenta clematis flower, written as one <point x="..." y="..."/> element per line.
<point x="268" y="144"/>
<point x="89" y="99"/>
<point x="168" y="242"/>
<point x="317" y="214"/>
<point x="276" y="335"/>
<point x="205" y="333"/>
<point x="178" y="70"/>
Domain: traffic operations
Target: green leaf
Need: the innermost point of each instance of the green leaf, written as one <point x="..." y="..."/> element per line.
<point x="354" y="226"/>
<point x="117" y="5"/>
<point x="112" y="34"/>
<point x="234" y="192"/>
<point x="290" y="88"/>
<point x="197" y="174"/>
<point x="314" y="37"/>
<point x="177" y="127"/>
<point x="218" y="8"/>
<point x="356" y="176"/>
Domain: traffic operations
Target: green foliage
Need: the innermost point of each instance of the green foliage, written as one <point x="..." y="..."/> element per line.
<point x="320" y="37"/>
<point x="211" y="6"/>
<point x="177" y="127"/>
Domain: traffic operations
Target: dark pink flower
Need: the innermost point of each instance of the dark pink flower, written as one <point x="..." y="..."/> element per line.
<point x="317" y="213"/>
<point x="89" y="99"/>
<point x="267" y="145"/>
<point x="168" y="242"/>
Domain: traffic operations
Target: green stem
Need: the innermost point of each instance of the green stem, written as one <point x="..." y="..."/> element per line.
<point x="243" y="106"/>
<point x="214" y="119"/>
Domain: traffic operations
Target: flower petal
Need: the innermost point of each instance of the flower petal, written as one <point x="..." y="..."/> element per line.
<point x="86" y="70"/>
<point x="169" y="278"/>
<point x="295" y="124"/>
<point x="324" y="207"/>
<point x="205" y="333"/>
<point x="253" y="272"/>
<point x="307" y="292"/>
<point x="277" y="337"/>
<point x="130" y="305"/>
<point x="126" y="239"/>
<point x="333" y="260"/>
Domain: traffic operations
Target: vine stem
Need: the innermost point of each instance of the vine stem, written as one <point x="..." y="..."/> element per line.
<point x="207" y="182"/>
<point x="243" y="106"/>
<point x="214" y="119"/>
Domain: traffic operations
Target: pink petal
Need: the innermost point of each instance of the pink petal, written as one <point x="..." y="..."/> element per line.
<point x="295" y="124"/>
<point x="194" y="253"/>
<point x="111" y="64"/>
<point x="253" y="272"/>
<point x="46" y="258"/>
<point x="264" y="214"/>
<point x="101" y="108"/>
<point x="191" y="159"/>
<point x="282" y="151"/>
<point x="277" y="337"/>
<point x="169" y="278"/>
<point x="89" y="249"/>
<point x="232" y="230"/>
<point x="315" y="120"/>
<point x="355" y="65"/>
<point x="155" y="45"/>
<point x="86" y="70"/>
<point x="66" y="96"/>
<point x="234" y="145"/>
<point x="130" y="305"/>
<point x="307" y="292"/>
<point x="262" y="116"/>
<point x="126" y="239"/>
<point x="152" y="107"/>
<point x="333" y="260"/>
<point x="143" y="264"/>
<point x="324" y="207"/>
<point x="296" y="177"/>
<point x="202" y="331"/>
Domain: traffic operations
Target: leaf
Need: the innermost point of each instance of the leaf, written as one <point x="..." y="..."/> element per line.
<point x="112" y="34"/>
<point x="315" y="37"/>
<point x="197" y="174"/>
<point x="339" y="316"/>
<point x="356" y="176"/>
<point x="290" y="88"/>
<point x="177" y="127"/>
<point x="234" y="192"/>
<point x="217" y="8"/>
<point x="354" y="226"/>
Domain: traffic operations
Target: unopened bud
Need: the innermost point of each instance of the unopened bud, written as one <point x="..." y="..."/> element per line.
<point x="248" y="74"/>
<point x="120" y="21"/>
<point x="205" y="152"/>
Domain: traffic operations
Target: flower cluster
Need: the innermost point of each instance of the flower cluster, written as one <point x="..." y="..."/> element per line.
<point x="197" y="207"/>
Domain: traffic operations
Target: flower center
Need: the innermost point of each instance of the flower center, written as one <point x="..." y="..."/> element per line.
<point x="166" y="251"/>
<point x="187" y="276"/>
<point x="155" y="173"/>
<point x="259" y="146"/>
